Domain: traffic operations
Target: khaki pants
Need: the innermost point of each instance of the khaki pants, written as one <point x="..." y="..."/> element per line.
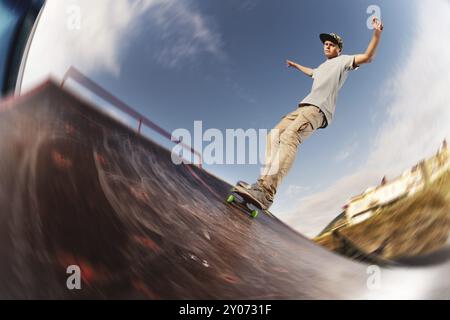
<point x="282" y="144"/>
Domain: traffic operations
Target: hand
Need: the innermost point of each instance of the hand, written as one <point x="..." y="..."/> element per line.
<point x="290" y="64"/>
<point x="377" y="26"/>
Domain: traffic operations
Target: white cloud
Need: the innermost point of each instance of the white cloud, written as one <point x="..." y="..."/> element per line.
<point x="419" y="115"/>
<point x="184" y="34"/>
<point x="294" y="191"/>
<point x="417" y="120"/>
<point x="347" y="151"/>
<point x="107" y="27"/>
<point x="93" y="47"/>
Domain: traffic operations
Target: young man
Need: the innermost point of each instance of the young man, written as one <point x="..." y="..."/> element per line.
<point x="314" y="112"/>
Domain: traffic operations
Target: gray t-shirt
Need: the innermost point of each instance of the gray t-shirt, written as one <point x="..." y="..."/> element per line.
<point x="329" y="78"/>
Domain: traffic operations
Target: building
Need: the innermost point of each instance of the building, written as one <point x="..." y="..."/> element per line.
<point x="363" y="206"/>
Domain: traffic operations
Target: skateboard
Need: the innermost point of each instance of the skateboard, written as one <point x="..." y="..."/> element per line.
<point x="245" y="202"/>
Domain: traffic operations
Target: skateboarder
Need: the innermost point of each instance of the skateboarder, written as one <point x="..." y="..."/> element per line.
<point x="314" y="112"/>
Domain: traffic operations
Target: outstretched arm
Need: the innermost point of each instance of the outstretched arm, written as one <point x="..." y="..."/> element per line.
<point x="367" y="56"/>
<point x="305" y="70"/>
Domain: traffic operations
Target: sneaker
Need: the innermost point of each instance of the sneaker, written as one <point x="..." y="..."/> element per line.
<point x="256" y="193"/>
<point x="255" y="186"/>
<point x="248" y="186"/>
<point x="244" y="184"/>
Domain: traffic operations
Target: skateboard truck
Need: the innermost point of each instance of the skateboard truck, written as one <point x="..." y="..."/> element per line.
<point x="239" y="200"/>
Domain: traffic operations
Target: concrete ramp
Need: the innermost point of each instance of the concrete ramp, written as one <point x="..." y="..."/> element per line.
<point x="79" y="188"/>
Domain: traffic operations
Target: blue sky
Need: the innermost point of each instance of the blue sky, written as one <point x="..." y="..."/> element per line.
<point x="223" y="62"/>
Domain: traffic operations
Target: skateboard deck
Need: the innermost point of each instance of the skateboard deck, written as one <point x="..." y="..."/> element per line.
<point x="245" y="202"/>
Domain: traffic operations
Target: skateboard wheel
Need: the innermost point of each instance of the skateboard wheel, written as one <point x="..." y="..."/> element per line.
<point x="230" y="198"/>
<point x="254" y="213"/>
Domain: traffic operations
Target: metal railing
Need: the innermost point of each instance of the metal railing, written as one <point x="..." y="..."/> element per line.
<point x="83" y="80"/>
